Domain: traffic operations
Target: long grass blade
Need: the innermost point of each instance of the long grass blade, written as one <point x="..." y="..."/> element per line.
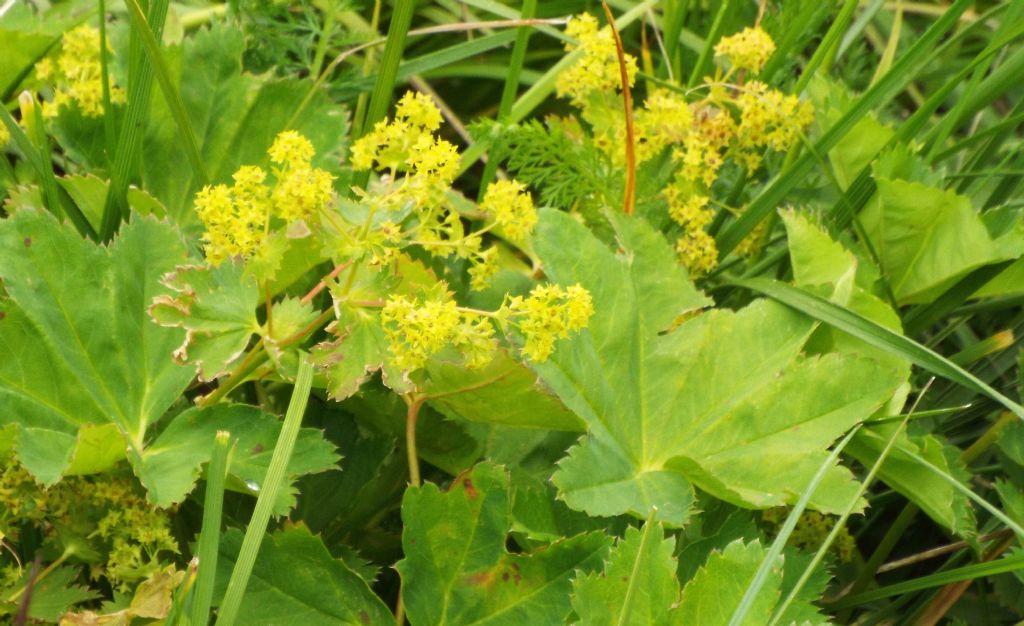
<point x="171" y="95"/>
<point x="840" y="523"/>
<point x="140" y="83"/>
<point x="265" y="503"/>
<point x="968" y="572"/>
<point x="757" y="582"/>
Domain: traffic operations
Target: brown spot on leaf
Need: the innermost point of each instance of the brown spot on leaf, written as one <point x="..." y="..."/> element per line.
<point x="2" y="315"/>
<point x="257" y="448"/>
<point x="471" y="491"/>
<point x="364" y="617"/>
<point x="483" y="578"/>
<point x="28" y="242"/>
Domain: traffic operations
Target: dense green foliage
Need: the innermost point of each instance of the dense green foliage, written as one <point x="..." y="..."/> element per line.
<point x="489" y="312"/>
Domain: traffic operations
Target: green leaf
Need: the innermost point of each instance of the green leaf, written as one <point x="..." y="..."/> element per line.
<point x="90" y="191"/>
<point x="75" y="315"/>
<point x="802" y="610"/>
<point x="817" y="259"/>
<point x="689" y="417"/>
<point x="935" y="496"/>
<point x="360" y="350"/>
<point x="55" y="594"/>
<point x="927" y="237"/>
<point x="217" y="306"/>
<point x="169" y="467"/>
<point x="503" y="392"/>
<point x="711" y="597"/>
<point x="297" y="581"/>
<point x="877" y="335"/>
<point x="638" y="585"/>
<point x="21" y="51"/>
<point x="456" y="569"/>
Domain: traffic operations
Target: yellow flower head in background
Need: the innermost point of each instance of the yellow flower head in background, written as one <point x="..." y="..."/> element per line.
<point x="76" y="76"/>
<point x="512" y="208"/>
<point x="748" y="49"/>
<point x="598" y="67"/>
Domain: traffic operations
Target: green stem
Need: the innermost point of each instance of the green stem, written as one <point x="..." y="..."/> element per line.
<point x="209" y="535"/>
<point x="413" y="403"/>
<point x="508" y="93"/>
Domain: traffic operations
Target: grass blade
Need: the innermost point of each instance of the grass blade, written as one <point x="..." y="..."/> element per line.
<point x="508" y="93"/>
<point x="701" y="66"/>
<point x="171" y="95"/>
<point x="876" y="335"/>
<point x="228" y="611"/>
<point x="968" y="572"/>
<point x="34" y="144"/>
<point x="140" y="82"/>
<point x="387" y="72"/>
<point x="841" y="522"/>
<point x="209" y="535"/>
<point x="754" y="588"/>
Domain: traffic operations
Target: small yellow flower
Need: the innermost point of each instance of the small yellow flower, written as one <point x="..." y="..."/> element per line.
<point x="418" y="109"/>
<point x="512" y="208"/>
<point x="474" y="339"/>
<point x="597" y="70"/>
<point x="76" y="75"/>
<point x="301" y="193"/>
<point x="417" y="331"/>
<point x="5" y="135"/>
<point x="697" y="252"/>
<point x="292" y="149"/>
<point x="748" y="49"/>
<point x="550" y="312"/>
<point x="483" y="269"/>
<point x="691" y="212"/>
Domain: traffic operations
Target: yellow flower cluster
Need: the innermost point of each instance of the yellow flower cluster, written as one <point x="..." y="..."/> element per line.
<point x="110" y="511"/>
<point x="238" y="218"/>
<point x="511" y="207"/>
<point x="664" y="120"/>
<point x="768" y="119"/>
<point x="417" y="330"/>
<point x="76" y="76"/>
<point x="737" y="122"/>
<point x="407" y="144"/>
<point x="748" y="49"/>
<point x="597" y="71"/>
<point x="302" y="190"/>
<point x="549" y="313"/>
<point x="696" y="248"/>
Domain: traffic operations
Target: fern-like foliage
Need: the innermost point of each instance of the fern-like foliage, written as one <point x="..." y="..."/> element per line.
<point x="568" y="174"/>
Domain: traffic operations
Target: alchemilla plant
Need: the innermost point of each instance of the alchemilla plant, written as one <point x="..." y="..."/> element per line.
<point x="511" y="313"/>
